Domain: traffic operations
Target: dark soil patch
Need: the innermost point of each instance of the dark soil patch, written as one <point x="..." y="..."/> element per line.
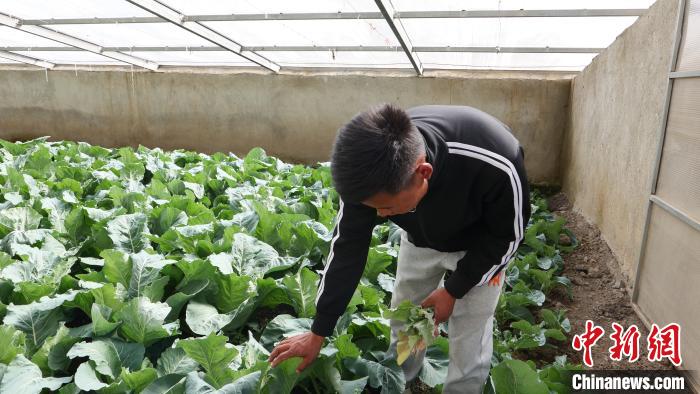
<point x="598" y="293"/>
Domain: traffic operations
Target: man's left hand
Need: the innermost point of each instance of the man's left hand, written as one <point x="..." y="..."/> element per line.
<point x="442" y="303"/>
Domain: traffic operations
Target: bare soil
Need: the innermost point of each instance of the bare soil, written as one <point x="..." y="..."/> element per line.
<point x="598" y="293"/>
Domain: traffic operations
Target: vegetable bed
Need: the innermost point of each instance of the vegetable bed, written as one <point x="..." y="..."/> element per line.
<point x="145" y="271"/>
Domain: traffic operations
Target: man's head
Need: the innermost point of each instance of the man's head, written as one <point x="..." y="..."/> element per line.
<point x="378" y="159"/>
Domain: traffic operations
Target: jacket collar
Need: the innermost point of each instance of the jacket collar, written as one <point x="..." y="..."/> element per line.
<point x="436" y="152"/>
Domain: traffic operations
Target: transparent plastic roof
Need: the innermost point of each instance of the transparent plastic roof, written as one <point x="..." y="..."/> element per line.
<point x="199" y="58"/>
<point x="18" y="38"/>
<point x="329" y="58"/>
<point x="201" y="7"/>
<point x="134" y="34"/>
<point x="42" y="9"/>
<point x="7" y="61"/>
<point x="361" y="32"/>
<point x="71" y="57"/>
<point x="316" y="33"/>
<point x="513" y="32"/>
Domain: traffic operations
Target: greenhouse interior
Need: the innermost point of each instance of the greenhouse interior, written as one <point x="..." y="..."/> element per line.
<point x="175" y="175"/>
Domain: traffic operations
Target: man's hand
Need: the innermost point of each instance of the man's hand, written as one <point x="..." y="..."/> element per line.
<point x="306" y="345"/>
<point x="442" y="303"/>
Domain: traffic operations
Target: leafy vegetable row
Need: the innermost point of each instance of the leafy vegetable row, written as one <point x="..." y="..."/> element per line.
<point x="145" y="271"/>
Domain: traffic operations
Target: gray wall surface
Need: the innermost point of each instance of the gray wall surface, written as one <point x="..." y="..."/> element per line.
<point x="293" y="116"/>
<point x="610" y="145"/>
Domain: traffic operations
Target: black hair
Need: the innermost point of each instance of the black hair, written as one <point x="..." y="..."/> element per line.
<point x="375" y="152"/>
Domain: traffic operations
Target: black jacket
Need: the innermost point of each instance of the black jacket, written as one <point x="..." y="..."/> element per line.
<point x="477" y="200"/>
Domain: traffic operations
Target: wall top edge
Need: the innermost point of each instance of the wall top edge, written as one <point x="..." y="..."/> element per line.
<point x="457" y="74"/>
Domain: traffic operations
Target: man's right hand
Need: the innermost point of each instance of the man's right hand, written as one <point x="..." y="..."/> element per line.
<point x="306" y="345"/>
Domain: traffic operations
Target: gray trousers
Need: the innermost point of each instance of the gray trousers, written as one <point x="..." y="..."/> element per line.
<point x="470" y="327"/>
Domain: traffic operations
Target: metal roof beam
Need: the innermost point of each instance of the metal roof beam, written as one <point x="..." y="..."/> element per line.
<point x="200" y="30"/>
<point x="401" y="36"/>
<point x="26" y="59"/>
<point x="327" y="48"/>
<point x="75" y="42"/>
<point x="575" y="13"/>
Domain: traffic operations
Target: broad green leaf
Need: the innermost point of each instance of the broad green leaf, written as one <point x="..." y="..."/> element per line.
<point x="270" y="293"/>
<point x="241" y="314"/>
<point x="101" y="324"/>
<point x="109" y="295"/>
<point x="47" y="264"/>
<point x="70" y="388"/>
<point x="117" y="267"/>
<point x="110" y="355"/>
<point x="233" y="291"/>
<point x="128" y="232"/>
<point x="386" y="374"/>
<point x="253" y="352"/>
<point x="18" y="219"/>
<point x="214" y="355"/>
<point x="11" y="343"/>
<point x="175" y="361"/>
<point x="14" y="197"/>
<point x="555" y="333"/>
<point x="23" y="377"/>
<point x="53" y="354"/>
<point x="386" y="282"/>
<point x="222" y="261"/>
<point x="346" y="349"/>
<point x="324" y="370"/>
<point x="356" y="386"/>
<point x="197" y="189"/>
<point x="283" y="326"/>
<point x="77" y="224"/>
<point x="194" y="230"/>
<point x="302" y="288"/>
<point x="179" y="299"/>
<point x="379" y="258"/>
<point x="435" y="363"/>
<point x="167" y="218"/>
<point x="100" y="215"/>
<point x="255" y="258"/>
<point x="138" y="380"/>
<point x="196" y="271"/>
<point x="15" y="240"/>
<point x="143" y="321"/>
<point x="247" y="384"/>
<point x="39" y="162"/>
<point x="58" y="212"/>
<point x="204" y="319"/>
<point x="168" y="384"/>
<point x="86" y="378"/>
<point x="145" y="269"/>
<point x="39" y="320"/>
<point x="515" y="376"/>
<point x="283" y="377"/>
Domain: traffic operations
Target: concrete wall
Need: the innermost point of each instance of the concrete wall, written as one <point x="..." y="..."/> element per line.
<point x="293" y="116"/>
<point x="610" y="145"/>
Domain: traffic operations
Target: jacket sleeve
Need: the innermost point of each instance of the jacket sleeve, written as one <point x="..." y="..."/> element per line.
<point x="345" y="264"/>
<point x="505" y="213"/>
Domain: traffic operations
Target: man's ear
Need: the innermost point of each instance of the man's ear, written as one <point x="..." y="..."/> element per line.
<point x="425" y="170"/>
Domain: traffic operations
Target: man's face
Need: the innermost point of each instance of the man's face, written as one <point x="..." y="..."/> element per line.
<point x="407" y="199"/>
